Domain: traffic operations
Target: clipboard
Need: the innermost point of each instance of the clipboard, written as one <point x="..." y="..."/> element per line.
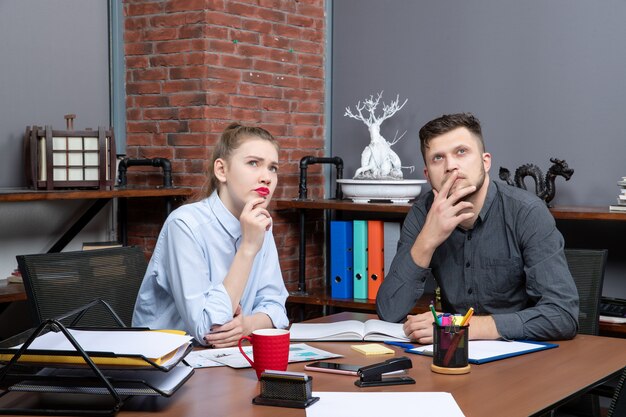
<point x="484" y="351"/>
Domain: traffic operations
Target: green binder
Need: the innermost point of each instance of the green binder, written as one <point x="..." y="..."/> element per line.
<point x="360" y="258"/>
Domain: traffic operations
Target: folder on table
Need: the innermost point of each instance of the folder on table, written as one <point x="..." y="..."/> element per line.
<point x="484" y="351"/>
<point x="341" y="259"/>
<point x="375" y="257"/>
<point x="360" y="258"/>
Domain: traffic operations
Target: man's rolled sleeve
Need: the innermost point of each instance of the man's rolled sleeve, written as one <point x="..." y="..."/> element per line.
<point x="404" y="284"/>
<point x="510" y="325"/>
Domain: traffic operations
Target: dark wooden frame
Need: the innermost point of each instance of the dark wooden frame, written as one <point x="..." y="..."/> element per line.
<point x="106" y="158"/>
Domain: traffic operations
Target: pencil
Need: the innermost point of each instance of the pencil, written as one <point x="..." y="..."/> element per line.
<point x="432" y="310"/>
<point x="467" y="316"/>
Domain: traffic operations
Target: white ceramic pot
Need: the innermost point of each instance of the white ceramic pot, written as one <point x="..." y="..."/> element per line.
<point x="362" y="191"/>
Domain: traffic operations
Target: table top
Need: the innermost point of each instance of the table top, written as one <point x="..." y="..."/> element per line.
<point x="520" y="386"/>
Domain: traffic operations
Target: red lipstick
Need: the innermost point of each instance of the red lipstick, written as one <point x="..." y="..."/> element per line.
<point x="263" y="191"/>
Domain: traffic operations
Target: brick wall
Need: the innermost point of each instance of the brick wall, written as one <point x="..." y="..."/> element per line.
<point x="193" y="67"/>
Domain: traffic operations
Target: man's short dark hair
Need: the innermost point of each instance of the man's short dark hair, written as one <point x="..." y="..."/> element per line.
<point x="447" y="123"/>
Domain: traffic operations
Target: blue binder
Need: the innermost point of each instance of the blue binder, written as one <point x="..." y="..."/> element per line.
<point x="341" y="259"/>
<point x="360" y="258"/>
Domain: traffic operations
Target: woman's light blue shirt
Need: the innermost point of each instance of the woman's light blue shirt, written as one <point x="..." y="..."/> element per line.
<point x="183" y="289"/>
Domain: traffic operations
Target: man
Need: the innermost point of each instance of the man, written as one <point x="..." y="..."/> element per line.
<point x="488" y="245"/>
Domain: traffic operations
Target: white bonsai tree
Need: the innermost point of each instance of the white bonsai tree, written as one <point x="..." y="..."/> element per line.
<point x="378" y="161"/>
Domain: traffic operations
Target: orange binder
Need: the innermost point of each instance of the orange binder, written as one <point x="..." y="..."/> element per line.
<point x="375" y="256"/>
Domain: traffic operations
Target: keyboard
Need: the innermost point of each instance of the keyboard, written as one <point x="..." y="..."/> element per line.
<point x="614" y="307"/>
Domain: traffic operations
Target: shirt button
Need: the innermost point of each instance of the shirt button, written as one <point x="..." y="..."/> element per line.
<point x="467" y="264"/>
<point x="470" y="291"/>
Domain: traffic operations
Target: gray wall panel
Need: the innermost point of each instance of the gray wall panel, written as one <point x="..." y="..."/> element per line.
<point x="546" y="78"/>
<point x="55" y="61"/>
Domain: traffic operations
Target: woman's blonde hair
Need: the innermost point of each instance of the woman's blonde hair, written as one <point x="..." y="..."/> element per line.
<point x="232" y="137"/>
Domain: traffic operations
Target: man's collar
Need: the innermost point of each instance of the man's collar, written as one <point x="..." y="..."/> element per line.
<point x="229" y="222"/>
<point x="491" y="196"/>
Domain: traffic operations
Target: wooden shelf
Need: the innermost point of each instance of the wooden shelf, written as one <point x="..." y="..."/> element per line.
<point x="16" y="195"/>
<point x="612" y="329"/>
<point x="345" y="205"/>
<point x="586" y="213"/>
<point x="11" y="292"/>
<point x="320" y="298"/>
<point x="559" y="212"/>
<point x="100" y="199"/>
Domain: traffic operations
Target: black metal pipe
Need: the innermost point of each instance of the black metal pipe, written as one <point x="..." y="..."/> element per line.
<point x="163" y="163"/>
<point x="310" y="160"/>
<point x="166" y="167"/>
<point x="302" y="195"/>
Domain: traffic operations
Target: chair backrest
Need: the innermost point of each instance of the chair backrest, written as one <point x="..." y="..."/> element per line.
<point x="587" y="268"/>
<point x="57" y="283"/>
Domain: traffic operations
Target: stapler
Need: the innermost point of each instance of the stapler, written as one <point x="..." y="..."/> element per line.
<point x="372" y="375"/>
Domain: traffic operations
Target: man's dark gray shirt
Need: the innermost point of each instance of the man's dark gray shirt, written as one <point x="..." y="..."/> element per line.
<point x="511" y="265"/>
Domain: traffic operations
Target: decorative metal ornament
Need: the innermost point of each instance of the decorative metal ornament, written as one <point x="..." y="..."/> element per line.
<point x="544" y="186"/>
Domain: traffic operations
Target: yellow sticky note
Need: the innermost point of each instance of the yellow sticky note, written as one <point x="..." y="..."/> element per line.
<point x="372" y="349"/>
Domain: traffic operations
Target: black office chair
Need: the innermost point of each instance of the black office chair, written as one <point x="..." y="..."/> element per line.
<point x="57" y="283"/>
<point x="618" y="404"/>
<point x="587" y="269"/>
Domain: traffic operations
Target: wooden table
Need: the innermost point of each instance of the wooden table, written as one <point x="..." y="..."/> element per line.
<point x="515" y="387"/>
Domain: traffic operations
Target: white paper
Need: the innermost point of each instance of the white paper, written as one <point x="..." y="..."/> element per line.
<point x="611" y="319"/>
<point x="150" y="344"/>
<point x="201" y="359"/>
<point x="377" y="404"/>
<point x="298" y="352"/>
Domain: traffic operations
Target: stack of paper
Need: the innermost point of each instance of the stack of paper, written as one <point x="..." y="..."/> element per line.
<point x="106" y="347"/>
<point x="621" y="197"/>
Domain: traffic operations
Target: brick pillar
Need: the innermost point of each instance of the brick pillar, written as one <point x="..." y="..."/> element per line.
<point x="193" y="67"/>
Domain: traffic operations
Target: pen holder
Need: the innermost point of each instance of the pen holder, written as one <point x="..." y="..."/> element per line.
<point x="450" y="349"/>
<point x="285" y="389"/>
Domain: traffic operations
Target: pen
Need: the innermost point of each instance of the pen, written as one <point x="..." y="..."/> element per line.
<point x="399" y="344"/>
<point x="432" y="310"/>
<point x="467" y="316"/>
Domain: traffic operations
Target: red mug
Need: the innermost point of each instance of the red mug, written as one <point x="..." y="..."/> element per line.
<point x="270" y="350"/>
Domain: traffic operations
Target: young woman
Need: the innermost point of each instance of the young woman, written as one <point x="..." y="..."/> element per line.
<point x="214" y="272"/>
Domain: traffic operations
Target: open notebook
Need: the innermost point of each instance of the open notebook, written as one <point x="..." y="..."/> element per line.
<point x="348" y="330"/>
